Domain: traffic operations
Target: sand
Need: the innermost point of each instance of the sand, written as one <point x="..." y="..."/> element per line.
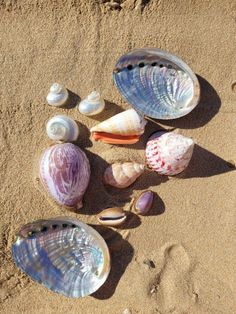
<point x="190" y="235"/>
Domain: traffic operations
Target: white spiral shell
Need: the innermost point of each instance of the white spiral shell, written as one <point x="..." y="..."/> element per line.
<point x="61" y="128"/>
<point x="92" y="104"/>
<point x="57" y="95"/>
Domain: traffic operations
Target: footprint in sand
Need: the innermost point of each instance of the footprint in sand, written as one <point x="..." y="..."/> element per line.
<point x="173" y="285"/>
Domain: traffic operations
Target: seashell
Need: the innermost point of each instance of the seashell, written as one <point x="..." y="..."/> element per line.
<point x="65" y="172"/>
<point x="62" y="128"/>
<point x="122" y="175"/>
<point x="57" y="95"/>
<point x="157" y="83"/>
<point x="112" y="216"/>
<point x="168" y="153"/>
<point x="64" y="255"/>
<point x="124" y="128"/>
<point x="143" y="203"/>
<point x="92" y="105"/>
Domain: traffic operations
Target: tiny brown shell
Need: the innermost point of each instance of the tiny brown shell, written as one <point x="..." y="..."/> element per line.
<point x="112" y="216"/>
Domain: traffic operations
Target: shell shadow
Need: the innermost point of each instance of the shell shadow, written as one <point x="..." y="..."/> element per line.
<point x="132" y="221"/>
<point x="144" y="182"/>
<point x="158" y="206"/>
<point x="110" y="110"/>
<point x="72" y="100"/>
<point x="205" y="164"/>
<point x="151" y="127"/>
<point x="207" y="108"/>
<point x="97" y="197"/>
<point x="83" y="140"/>
<point x="121" y="253"/>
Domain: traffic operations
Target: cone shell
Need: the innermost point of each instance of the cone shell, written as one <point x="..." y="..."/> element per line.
<point x="122" y="175"/>
<point x="168" y="153"/>
<point x="64" y="255"/>
<point x="128" y="122"/>
<point x="65" y="172"/>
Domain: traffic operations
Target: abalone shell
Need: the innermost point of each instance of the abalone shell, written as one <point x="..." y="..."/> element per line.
<point x="156" y="83"/>
<point x="63" y="254"/>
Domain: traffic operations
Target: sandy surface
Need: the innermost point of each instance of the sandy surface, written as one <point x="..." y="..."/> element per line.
<point x="190" y="237"/>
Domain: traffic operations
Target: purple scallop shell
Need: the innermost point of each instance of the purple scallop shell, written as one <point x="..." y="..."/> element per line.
<point x="65" y="172"/>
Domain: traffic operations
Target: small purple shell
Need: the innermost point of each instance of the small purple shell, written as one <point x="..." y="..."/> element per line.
<point x="65" y="172"/>
<point x="143" y="202"/>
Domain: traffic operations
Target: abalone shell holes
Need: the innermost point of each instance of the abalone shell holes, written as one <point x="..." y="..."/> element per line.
<point x="53" y="227"/>
<point x="142" y="64"/>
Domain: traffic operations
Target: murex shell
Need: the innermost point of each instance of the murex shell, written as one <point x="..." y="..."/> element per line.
<point x="93" y="104"/>
<point x="57" y="95"/>
<point x="62" y="128"/>
<point x="168" y="153"/>
<point x="65" y="172"/>
<point x="63" y="254"/>
<point x="122" y="175"/>
<point x="124" y="127"/>
<point x="156" y="83"/>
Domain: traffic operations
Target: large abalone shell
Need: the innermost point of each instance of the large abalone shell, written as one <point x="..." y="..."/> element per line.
<point x="63" y="254"/>
<point x="157" y="83"/>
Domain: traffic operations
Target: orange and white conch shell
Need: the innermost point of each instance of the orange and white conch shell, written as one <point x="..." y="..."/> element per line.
<point x="124" y="128"/>
<point x="122" y="175"/>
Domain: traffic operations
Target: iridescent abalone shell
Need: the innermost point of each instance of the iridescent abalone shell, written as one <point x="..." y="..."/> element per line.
<point x="63" y="254"/>
<point x="65" y="172"/>
<point x="157" y="83"/>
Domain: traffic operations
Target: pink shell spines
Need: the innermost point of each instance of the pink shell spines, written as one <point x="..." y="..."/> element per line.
<point x="168" y="153"/>
<point x="65" y="173"/>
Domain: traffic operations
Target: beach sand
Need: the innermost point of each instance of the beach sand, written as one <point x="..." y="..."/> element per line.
<point x="190" y="234"/>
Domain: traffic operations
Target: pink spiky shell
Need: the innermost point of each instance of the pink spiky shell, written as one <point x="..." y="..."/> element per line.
<point x="168" y="153"/>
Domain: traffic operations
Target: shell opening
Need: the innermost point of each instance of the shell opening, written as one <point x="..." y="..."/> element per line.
<point x="111" y="218"/>
<point x="115" y="138"/>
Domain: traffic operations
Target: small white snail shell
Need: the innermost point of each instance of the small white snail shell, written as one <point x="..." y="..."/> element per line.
<point x="62" y="129"/>
<point x="92" y="104"/>
<point x="57" y="95"/>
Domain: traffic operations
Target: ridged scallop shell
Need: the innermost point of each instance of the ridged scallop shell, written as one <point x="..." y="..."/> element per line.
<point x="93" y="104"/>
<point x="168" y="153"/>
<point x="62" y="128"/>
<point x="113" y="216"/>
<point x="64" y="255"/>
<point x="65" y="172"/>
<point x="157" y="83"/>
<point x="57" y="95"/>
<point x="122" y="175"/>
